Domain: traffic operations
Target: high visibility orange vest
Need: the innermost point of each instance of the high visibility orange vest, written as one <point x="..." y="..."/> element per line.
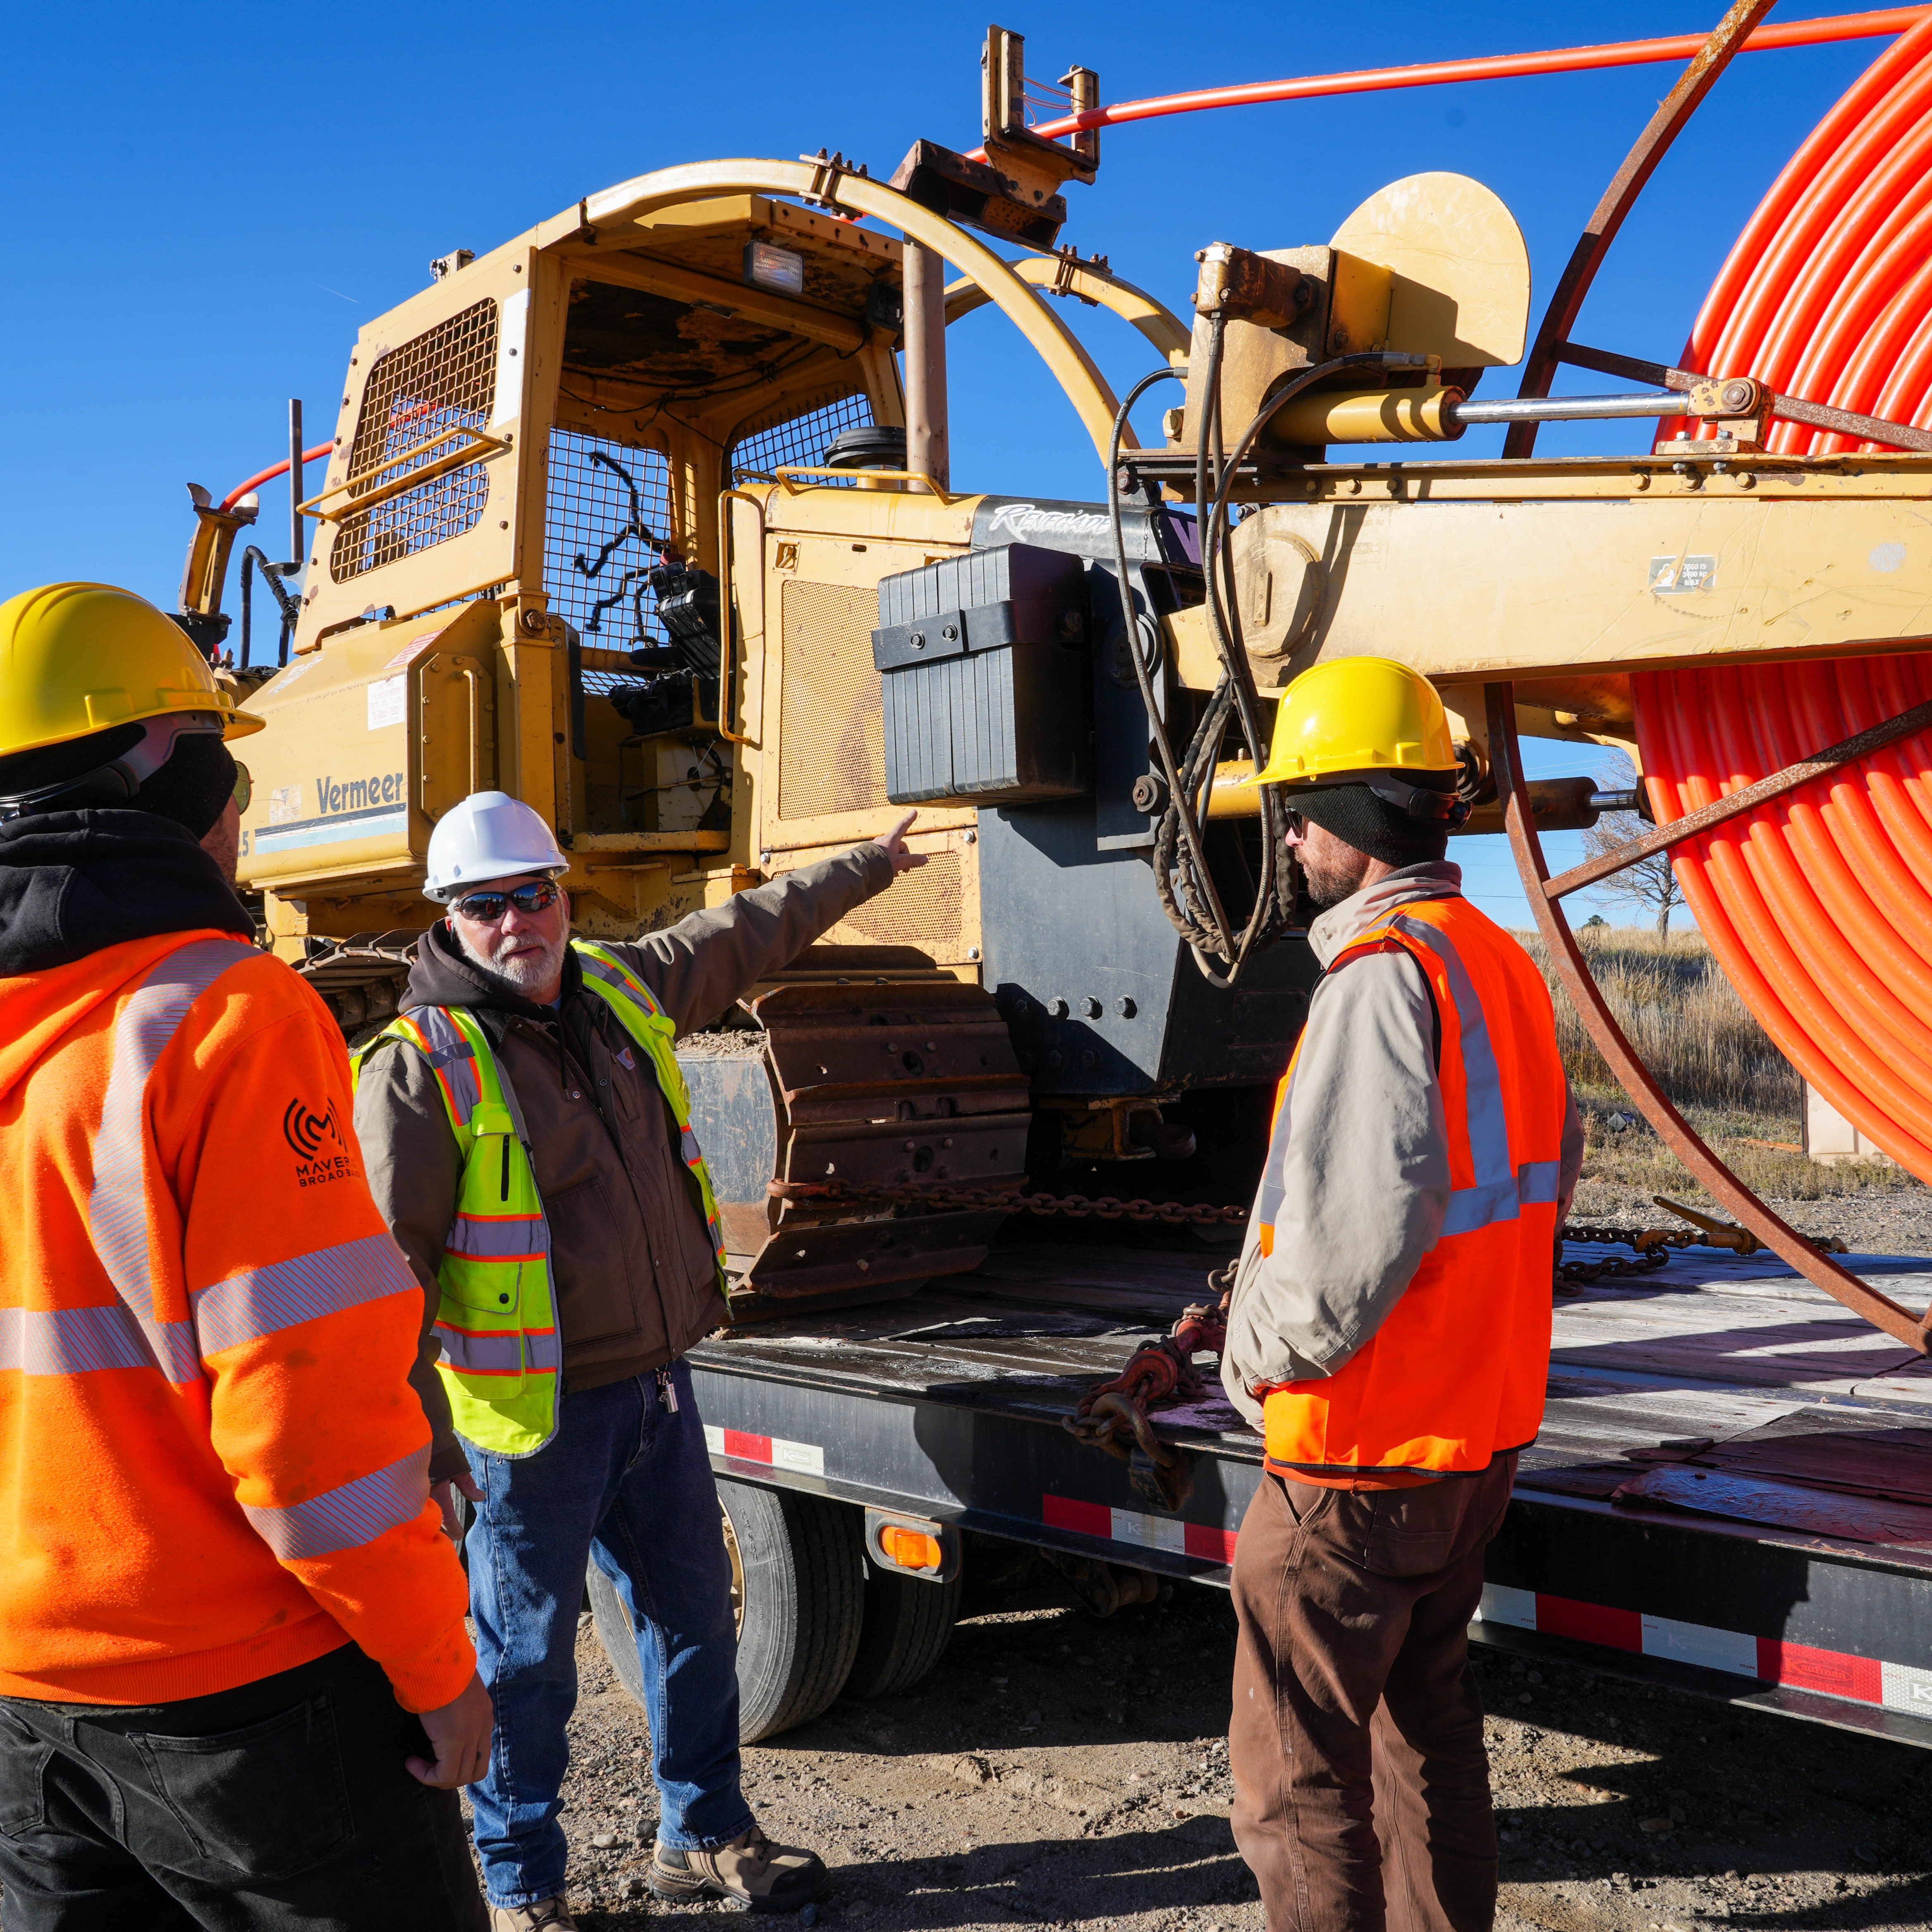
<point x="1456" y="1372"/>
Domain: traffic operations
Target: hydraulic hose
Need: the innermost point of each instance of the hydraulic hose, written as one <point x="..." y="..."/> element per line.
<point x="1818" y="907"/>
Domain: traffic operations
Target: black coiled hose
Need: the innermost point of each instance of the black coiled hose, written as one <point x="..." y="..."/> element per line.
<point x="1188" y="894"/>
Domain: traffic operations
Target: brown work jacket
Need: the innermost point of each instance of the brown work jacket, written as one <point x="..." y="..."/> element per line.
<point x="631" y="1266"/>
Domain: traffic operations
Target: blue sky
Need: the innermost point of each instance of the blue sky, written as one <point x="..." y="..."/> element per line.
<point x="203" y="208"/>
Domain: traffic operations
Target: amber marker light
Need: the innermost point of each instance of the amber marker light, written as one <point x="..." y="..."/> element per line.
<point x="910" y="1548"/>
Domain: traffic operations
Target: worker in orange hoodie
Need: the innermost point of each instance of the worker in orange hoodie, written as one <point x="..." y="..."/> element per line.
<point x="235" y="1688"/>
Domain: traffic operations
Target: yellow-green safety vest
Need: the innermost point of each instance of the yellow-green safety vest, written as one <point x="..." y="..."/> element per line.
<point x="496" y="1321"/>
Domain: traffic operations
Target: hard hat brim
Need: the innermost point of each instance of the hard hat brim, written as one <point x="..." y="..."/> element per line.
<point x="1361" y="775"/>
<point x="241" y="725"/>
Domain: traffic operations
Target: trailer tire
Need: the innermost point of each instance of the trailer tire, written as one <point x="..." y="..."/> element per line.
<point x="908" y="1625"/>
<point x="797" y="1570"/>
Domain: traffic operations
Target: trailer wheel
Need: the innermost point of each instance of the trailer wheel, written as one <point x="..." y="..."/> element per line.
<point x="797" y="1566"/>
<point x="908" y="1625"/>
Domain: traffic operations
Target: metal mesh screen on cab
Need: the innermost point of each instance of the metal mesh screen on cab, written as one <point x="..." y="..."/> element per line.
<point x="444" y="378"/>
<point x="803" y="441"/>
<point x="607" y="515"/>
<point x="925" y="908"/>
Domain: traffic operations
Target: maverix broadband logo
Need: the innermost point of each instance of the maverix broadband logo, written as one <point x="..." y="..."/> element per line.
<point x="376" y="806"/>
<point x="320" y="1148"/>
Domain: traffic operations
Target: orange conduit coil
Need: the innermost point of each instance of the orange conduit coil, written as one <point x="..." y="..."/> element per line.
<point x="1819" y="906"/>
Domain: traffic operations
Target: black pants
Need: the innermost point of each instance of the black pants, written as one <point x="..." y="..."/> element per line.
<point x="284" y="1803"/>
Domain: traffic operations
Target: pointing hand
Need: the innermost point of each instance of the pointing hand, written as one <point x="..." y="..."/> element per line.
<point x="895" y="846"/>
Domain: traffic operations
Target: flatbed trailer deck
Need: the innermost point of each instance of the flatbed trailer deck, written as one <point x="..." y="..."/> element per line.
<point x="1732" y="1492"/>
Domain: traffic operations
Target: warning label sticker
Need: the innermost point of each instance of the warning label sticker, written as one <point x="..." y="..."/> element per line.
<point x="1678" y="574"/>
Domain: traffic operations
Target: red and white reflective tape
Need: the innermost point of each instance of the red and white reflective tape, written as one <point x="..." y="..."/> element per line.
<point x="1206" y="1540"/>
<point x="807" y="1459"/>
<point x="1833" y="1673"/>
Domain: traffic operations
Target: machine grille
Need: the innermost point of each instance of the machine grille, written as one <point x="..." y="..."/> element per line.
<point x="444" y="378"/>
<point x="833" y="757"/>
<point x="803" y="440"/>
<point x="922" y="909"/>
<point x="607" y="514"/>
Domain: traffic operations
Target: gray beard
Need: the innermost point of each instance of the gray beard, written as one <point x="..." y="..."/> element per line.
<point x="523" y="974"/>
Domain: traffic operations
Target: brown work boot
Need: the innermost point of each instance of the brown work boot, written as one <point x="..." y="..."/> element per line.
<point x="548" y="1915"/>
<point x="757" y="1874"/>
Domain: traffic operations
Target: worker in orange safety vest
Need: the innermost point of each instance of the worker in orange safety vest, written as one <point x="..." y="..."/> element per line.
<point x="1388" y="1330"/>
<point x="236" y="1685"/>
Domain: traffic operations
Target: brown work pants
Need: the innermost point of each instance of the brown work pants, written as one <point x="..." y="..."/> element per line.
<point x="1361" y="1785"/>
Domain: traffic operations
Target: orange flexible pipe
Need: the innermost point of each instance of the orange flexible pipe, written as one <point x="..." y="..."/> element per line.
<point x="274" y="470"/>
<point x="1487" y="67"/>
<point x="1818" y="907"/>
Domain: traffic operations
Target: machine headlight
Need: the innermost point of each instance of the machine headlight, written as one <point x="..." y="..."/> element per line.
<point x="778" y="269"/>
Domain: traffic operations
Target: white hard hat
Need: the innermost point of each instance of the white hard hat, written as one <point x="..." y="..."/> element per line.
<point x="490" y="835"/>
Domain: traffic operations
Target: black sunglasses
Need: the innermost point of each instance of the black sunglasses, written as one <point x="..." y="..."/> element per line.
<point x="486" y="908"/>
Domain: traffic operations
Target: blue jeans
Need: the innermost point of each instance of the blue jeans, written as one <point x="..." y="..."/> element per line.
<point x="625" y="1482"/>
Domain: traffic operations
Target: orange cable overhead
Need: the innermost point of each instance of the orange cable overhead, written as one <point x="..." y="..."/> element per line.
<point x="1486" y="66"/>
<point x="274" y="470"/>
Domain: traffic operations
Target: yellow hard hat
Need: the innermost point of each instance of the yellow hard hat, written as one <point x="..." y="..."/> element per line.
<point x="1342" y="721"/>
<point x="76" y="658"/>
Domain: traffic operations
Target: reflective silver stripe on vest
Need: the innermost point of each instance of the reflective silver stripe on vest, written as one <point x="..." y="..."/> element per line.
<point x="348" y="1515"/>
<point x="71" y="1341"/>
<point x="246" y="1307"/>
<point x="450" y="1054"/>
<point x="507" y="1237"/>
<point x="1536" y="1182"/>
<point x="494" y="1354"/>
<point x="499" y="1354"/>
<point x="624" y="982"/>
<point x="1501" y="1191"/>
<point x="117" y="1218"/>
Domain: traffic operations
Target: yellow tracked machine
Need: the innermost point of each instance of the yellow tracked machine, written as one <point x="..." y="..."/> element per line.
<point x="647" y="516"/>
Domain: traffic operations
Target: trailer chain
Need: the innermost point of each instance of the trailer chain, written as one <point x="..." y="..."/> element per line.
<point x="1652" y="1245"/>
<point x="1646" y="1260"/>
<point x="1004" y="1201"/>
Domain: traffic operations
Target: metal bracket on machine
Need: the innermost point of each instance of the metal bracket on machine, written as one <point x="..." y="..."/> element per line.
<point x="827" y="170"/>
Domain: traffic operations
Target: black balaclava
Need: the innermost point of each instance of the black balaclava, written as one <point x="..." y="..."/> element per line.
<point x="191" y="788"/>
<point x="1357" y="816"/>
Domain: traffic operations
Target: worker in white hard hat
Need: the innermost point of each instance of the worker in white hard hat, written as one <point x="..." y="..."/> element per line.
<point x="528" y="1135"/>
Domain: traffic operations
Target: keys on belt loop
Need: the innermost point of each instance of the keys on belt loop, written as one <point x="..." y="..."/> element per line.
<point x="667" y="1393"/>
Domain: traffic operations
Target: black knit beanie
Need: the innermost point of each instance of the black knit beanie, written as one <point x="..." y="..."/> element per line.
<point x="1357" y="816"/>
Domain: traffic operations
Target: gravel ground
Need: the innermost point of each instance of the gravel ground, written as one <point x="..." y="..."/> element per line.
<point x="1060" y="1770"/>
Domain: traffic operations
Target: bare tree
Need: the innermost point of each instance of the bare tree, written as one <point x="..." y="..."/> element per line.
<point x="1650" y="882"/>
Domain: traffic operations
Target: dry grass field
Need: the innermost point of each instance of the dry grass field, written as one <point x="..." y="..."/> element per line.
<point x="1714" y="1059"/>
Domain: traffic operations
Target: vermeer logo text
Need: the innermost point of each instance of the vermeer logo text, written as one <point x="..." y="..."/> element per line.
<point x="359" y="794"/>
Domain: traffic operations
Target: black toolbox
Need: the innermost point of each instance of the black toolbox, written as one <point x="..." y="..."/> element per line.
<point x="984" y="665"/>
